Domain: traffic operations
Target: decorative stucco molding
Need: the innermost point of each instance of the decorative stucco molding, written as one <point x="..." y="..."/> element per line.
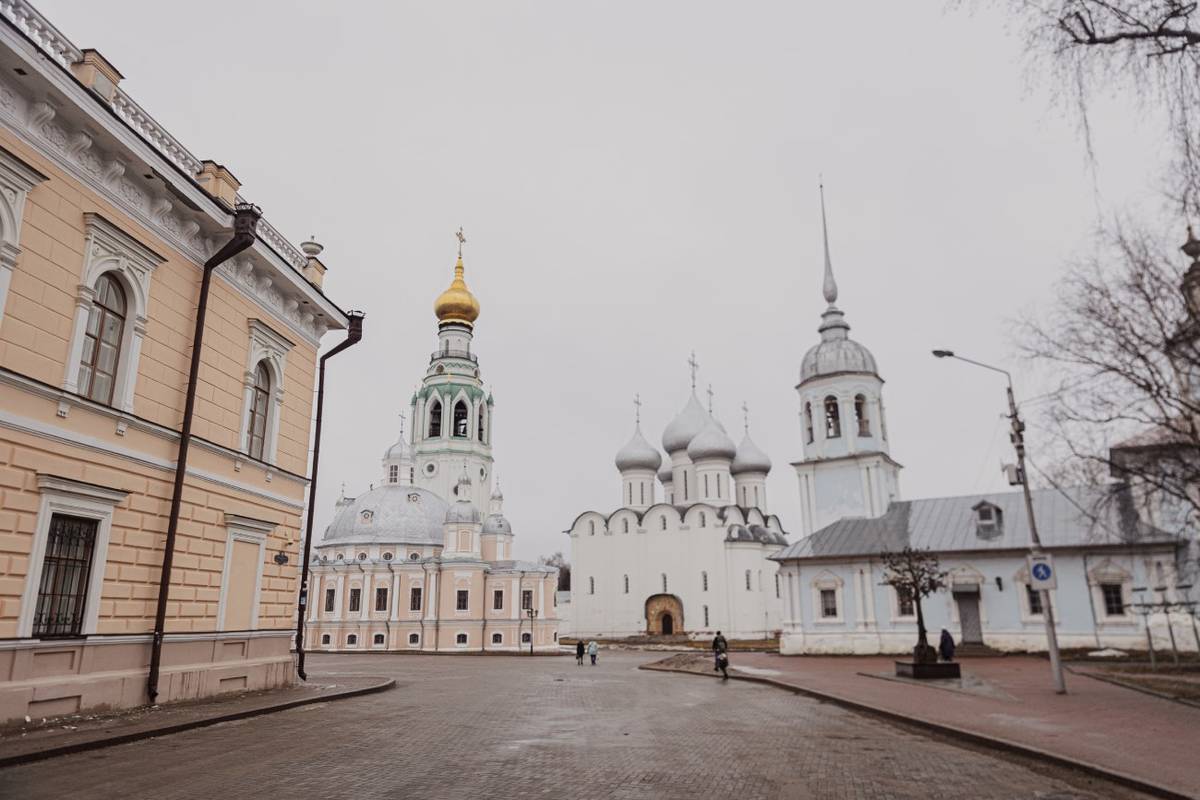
<point x="16" y="179"/>
<point x="270" y="348"/>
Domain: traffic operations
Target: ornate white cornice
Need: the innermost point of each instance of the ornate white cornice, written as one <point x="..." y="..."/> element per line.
<point x="269" y="274"/>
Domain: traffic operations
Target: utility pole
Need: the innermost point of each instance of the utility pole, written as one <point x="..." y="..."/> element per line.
<point x="1017" y="436"/>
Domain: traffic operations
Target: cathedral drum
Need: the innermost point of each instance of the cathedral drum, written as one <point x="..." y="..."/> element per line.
<point x="664" y="615"/>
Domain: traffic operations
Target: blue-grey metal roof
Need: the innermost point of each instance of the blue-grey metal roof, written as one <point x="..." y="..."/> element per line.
<point x="1065" y="518"/>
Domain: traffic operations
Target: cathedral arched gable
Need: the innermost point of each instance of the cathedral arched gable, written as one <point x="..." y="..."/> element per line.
<point x="600" y="520"/>
<point x="732" y="515"/>
<point x="712" y="514"/>
<point x="755" y="517"/>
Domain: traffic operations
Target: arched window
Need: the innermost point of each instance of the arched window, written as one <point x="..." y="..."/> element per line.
<point x="706" y="616"/>
<point x="259" y="405"/>
<point x="704" y="582"/>
<point x="497" y="638"/>
<point x="664" y="580"/>
<point x="377" y="639"/>
<point x="591" y="527"/>
<point x="460" y="420"/>
<point x="626" y="584"/>
<point x="833" y="418"/>
<point x="706" y="485"/>
<point x="102" y="341"/>
<point x="776" y="584"/>
<point x="860" y="414"/>
<point x="393" y="473"/>
<point x="685" y="485"/>
<point x="460" y="638"/>
<point x="526" y="637"/>
<point x="747" y="580"/>
<point x="703" y="519"/>
<point x="591" y="585"/>
<point x="663" y="521"/>
<point x="882" y="421"/>
<point x="629" y="486"/>
<point x="481" y="432"/>
<point x="414" y="638"/>
<point x="352" y="639"/>
<point x="808" y="423"/>
<point x="435" y="419"/>
<point x="626" y="522"/>
<point x="642" y="492"/>
<point x="324" y="638"/>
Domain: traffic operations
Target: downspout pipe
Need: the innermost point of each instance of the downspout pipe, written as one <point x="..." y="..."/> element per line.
<point x="245" y="222"/>
<point x="353" y="336"/>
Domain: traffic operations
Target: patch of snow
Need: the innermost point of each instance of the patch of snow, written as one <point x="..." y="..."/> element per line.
<point x="1107" y="652"/>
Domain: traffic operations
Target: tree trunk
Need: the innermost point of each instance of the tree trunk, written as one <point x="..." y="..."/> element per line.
<point x="922" y="641"/>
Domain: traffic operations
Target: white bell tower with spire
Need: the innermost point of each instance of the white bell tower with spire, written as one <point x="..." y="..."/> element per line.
<point x="847" y="470"/>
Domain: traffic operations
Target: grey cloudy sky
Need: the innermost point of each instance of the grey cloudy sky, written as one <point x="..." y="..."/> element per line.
<point x="638" y="180"/>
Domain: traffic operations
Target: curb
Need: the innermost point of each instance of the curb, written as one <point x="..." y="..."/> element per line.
<point x="992" y="742"/>
<point x="166" y="730"/>
<point x="1132" y="687"/>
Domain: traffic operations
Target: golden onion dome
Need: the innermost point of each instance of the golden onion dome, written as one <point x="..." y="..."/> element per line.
<point x="457" y="304"/>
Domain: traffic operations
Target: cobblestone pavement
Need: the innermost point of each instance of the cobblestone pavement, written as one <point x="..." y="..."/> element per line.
<point x="511" y="727"/>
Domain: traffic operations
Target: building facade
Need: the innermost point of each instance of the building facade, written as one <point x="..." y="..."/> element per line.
<point x="415" y="564"/>
<point x="1107" y="563"/>
<point x="695" y="561"/>
<point x="105" y="223"/>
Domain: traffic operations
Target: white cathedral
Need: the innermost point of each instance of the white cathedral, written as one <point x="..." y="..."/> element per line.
<point x="698" y="560"/>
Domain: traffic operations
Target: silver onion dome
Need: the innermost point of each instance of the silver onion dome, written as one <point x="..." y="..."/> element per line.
<point x="750" y="458"/>
<point x="666" y="474"/>
<point x="496" y="523"/>
<point x="712" y="442"/>
<point x="836" y="353"/>
<point x="638" y="454"/>
<point x="685" y="427"/>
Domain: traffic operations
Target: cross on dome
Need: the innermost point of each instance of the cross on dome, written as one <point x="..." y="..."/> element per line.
<point x="637" y="403"/>
<point x="710" y="398"/>
<point x="745" y="417"/>
<point x="695" y="365"/>
<point x="461" y="240"/>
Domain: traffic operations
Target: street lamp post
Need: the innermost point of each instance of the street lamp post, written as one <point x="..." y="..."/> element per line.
<point x="1018" y="439"/>
<point x="532" y="612"/>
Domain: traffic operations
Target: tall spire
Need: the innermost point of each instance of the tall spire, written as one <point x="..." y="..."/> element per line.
<point x="830" y="286"/>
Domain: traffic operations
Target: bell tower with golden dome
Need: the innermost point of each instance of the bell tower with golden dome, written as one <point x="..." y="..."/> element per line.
<point x="451" y="412"/>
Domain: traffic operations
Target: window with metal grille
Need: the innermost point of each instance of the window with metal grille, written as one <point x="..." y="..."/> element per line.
<point x="102" y="341"/>
<point x="462" y="600"/>
<point x="330" y="599"/>
<point x="1114" y="599"/>
<point x="355" y="599"/>
<point x="259" y="401"/>
<point x="526" y="638"/>
<point x="498" y="599"/>
<point x="414" y="638"/>
<point x="381" y="603"/>
<point x="377" y="639"/>
<point x="414" y="599"/>
<point x="460" y="638"/>
<point x="66" y="569"/>
<point x="497" y="638"/>
<point x="352" y="639"/>
<point x="904" y="603"/>
<point x="526" y="599"/>
<point x="1035" y="599"/>
<point x="393" y="473"/>
<point x="829" y="603"/>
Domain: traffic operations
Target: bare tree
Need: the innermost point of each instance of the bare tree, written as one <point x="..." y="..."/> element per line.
<point x="1151" y="48"/>
<point x="1124" y="342"/>
<point x="915" y="574"/>
<point x="564" y="569"/>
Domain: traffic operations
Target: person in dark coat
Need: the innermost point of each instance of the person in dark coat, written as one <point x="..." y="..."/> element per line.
<point x="946" y="646"/>
<point x="579" y="653"/>
<point x="720" y="646"/>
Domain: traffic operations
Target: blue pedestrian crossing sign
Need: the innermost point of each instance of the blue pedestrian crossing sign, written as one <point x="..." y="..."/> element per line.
<point x="1041" y="573"/>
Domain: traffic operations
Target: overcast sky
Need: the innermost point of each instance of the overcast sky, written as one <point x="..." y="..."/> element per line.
<point x="638" y="180"/>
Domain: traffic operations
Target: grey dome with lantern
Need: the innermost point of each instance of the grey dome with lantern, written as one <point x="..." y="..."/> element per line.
<point x="685" y="427"/>
<point x="836" y="353"/>
<point x="750" y="458"/>
<point x="391" y="514"/>
<point x="712" y="442"/>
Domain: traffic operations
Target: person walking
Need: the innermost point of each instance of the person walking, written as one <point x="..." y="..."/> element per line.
<point x="946" y="646"/>
<point x="579" y="653"/>
<point x="720" y="646"/>
<point x="723" y="665"/>
<point x="593" y="649"/>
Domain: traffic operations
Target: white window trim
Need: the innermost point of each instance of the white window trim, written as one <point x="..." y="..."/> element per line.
<point x="76" y="499"/>
<point x="1109" y="572"/>
<point x="410" y="641"/>
<point x="827" y="580"/>
<point x="466" y="639"/>
<point x="16" y="179"/>
<point x="1021" y="579"/>
<point x="493" y="643"/>
<point x="380" y="644"/>
<point x="254" y="531"/>
<point x="896" y="615"/>
<point x="109" y="249"/>
<point x="349" y="643"/>
<point x="269" y="347"/>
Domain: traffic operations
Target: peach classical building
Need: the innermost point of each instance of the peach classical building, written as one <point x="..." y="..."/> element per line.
<point x="105" y="222"/>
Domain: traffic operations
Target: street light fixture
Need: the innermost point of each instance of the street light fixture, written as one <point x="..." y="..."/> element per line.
<point x="1018" y="439"/>
<point x="532" y="612"/>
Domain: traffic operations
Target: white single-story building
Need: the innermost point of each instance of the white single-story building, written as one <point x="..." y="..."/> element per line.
<point x="1106" y="559"/>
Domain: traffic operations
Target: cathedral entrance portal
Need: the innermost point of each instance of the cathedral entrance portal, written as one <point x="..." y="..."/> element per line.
<point x="664" y="615"/>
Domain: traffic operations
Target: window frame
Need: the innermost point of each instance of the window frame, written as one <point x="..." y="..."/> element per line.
<point x="67" y="578"/>
<point x="497" y="600"/>
<point x="75" y="499"/>
<point x="1103" y="588"/>
<point x="260" y="412"/>
<point x="354" y="600"/>
<point x="415" y="598"/>
<point x="267" y="349"/>
<point x="462" y="599"/>
<point x="381" y="592"/>
<point x="102" y="313"/>
<point x="833" y="417"/>
<point x="330" y="600"/>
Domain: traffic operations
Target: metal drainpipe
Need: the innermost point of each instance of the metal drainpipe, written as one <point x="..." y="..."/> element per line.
<point x="353" y="336"/>
<point x="387" y="622"/>
<point x="245" y="221"/>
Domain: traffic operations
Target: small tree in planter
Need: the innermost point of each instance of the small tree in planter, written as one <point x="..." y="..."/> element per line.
<point x="916" y="574"/>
